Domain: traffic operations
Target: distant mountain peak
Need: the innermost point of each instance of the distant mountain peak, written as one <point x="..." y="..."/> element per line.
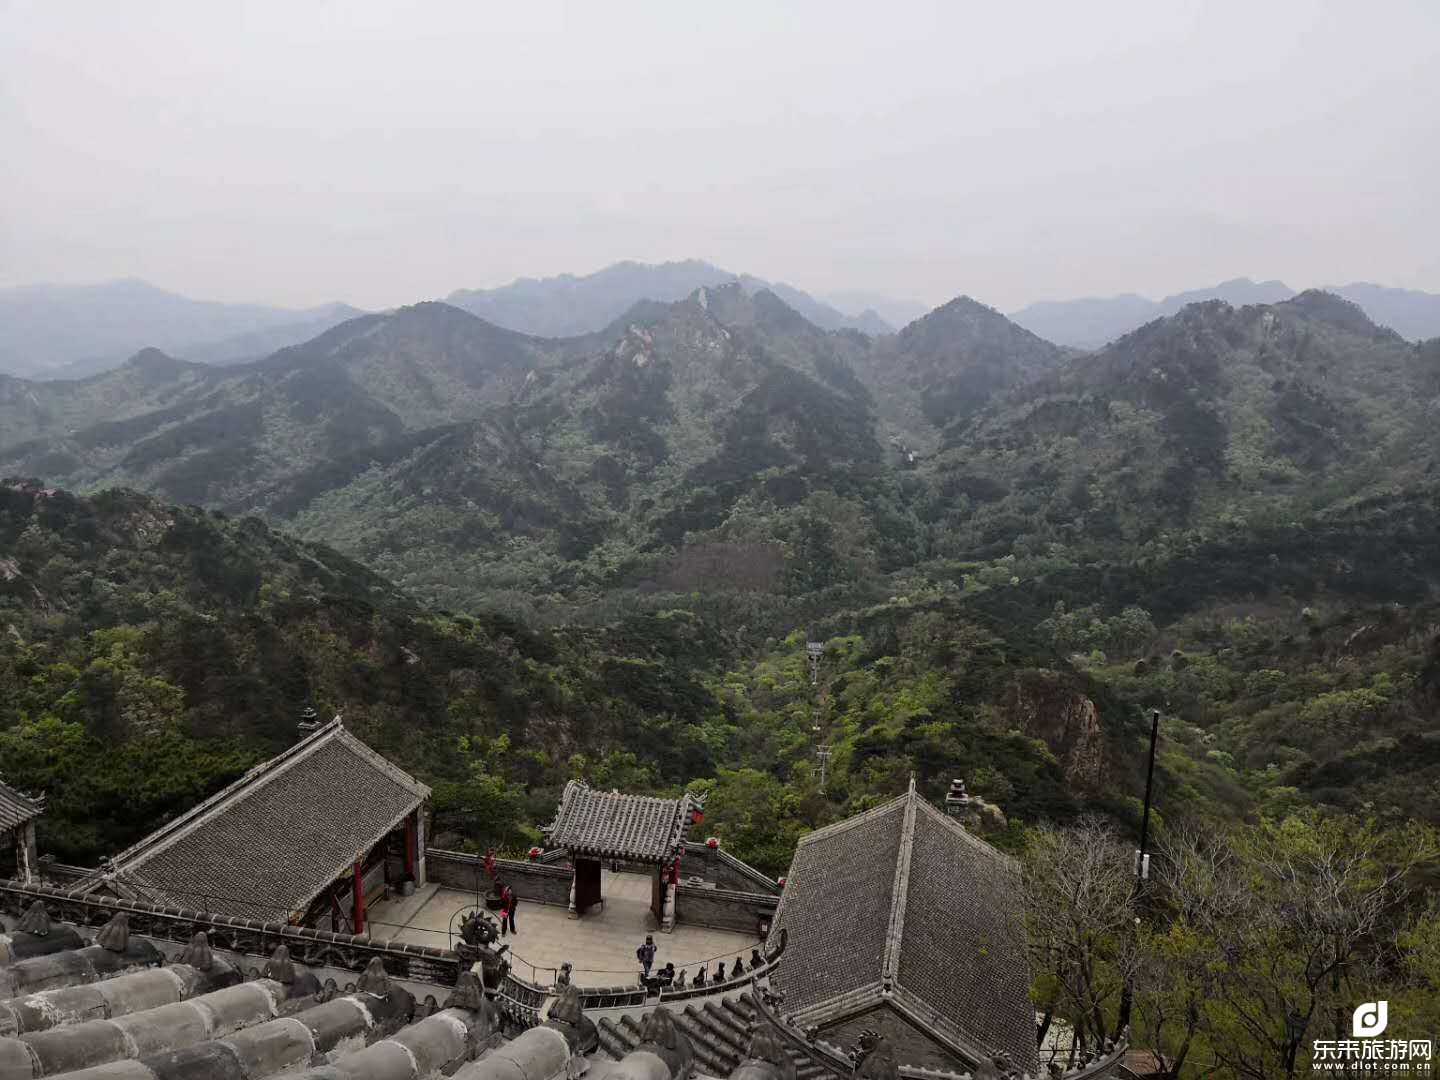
<point x="149" y="356"/>
<point x="156" y="361"/>
<point x="570" y="306"/>
<point x="1320" y="305"/>
<point x="964" y="303"/>
<point x="1090" y="323"/>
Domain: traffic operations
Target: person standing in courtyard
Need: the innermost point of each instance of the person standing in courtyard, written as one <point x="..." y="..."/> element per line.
<point x="646" y="954"/>
<point x="510" y="901"/>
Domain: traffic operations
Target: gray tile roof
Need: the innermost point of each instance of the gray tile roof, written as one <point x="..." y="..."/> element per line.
<point x="902" y="906"/>
<point x="270" y="843"/>
<point x="16" y="809"/>
<point x="607" y="824"/>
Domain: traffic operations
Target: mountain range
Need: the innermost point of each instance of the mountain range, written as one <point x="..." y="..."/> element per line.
<point x="70" y="331"/>
<point x="73" y="331"/>
<point x="1090" y="323"/>
<point x="1011" y="547"/>
<point x="463" y="457"/>
<point x="567" y="305"/>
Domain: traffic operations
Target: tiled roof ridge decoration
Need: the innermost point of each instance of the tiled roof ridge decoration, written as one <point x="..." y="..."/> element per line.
<point x="884" y="808"/>
<point x="904" y="975"/>
<point x="178" y="864"/>
<point x="840" y="1061"/>
<point x="610" y="824"/>
<point x="17" y="808"/>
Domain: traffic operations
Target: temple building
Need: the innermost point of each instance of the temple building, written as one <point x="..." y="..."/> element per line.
<point x="897" y="950"/>
<point x="900" y="921"/>
<point x="307" y="838"/>
<point x="17" y="832"/>
<point x="598" y="827"/>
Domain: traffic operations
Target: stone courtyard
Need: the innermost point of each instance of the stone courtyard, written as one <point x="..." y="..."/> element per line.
<point x="601" y="945"/>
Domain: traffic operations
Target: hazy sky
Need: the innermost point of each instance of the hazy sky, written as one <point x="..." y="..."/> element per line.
<point x="302" y="151"/>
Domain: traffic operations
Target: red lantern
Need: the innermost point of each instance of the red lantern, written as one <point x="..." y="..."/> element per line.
<point x="713" y="842"/>
<point x="534" y="853"/>
<point x="780" y="881"/>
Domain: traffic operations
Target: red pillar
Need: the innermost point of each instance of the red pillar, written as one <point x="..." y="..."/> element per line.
<point x="410" y="825"/>
<point x="360" y="897"/>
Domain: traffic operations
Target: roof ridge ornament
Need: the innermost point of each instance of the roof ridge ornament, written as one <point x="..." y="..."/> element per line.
<point x="197" y="954"/>
<point x="468" y="994"/>
<point x="280" y="967"/>
<point x="115" y="934"/>
<point x="375" y="981"/>
<point x="36" y="920"/>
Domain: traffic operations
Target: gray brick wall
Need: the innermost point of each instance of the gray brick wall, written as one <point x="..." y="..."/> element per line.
<point x="534" y="882"/>
<point x="723" y="909"/>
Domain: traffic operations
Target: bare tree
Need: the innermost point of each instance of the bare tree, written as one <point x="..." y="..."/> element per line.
<point x="1083" y="935"/>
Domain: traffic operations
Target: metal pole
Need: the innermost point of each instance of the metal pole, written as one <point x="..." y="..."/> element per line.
<point x="1149" y="786"/>
<point x="1127" y="993"/>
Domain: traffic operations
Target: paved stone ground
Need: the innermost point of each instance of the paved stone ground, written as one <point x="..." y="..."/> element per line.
<point x="601" y="945"/>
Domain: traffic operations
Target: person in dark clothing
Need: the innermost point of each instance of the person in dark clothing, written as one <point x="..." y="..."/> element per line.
<point x="667" y="975"/>
<point x="511" y="902"/>
<point x="502" y="891"/>
<point x="646" y="955"/>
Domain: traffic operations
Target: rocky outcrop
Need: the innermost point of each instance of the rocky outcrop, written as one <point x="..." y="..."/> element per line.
<point x="1046" y="706"/>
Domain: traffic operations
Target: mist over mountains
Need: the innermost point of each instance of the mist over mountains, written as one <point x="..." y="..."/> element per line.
<point x="70" y="331"/>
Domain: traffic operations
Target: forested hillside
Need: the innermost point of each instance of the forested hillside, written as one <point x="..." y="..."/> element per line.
<point x="155" y="652"/>
<point x="603" y="555"/>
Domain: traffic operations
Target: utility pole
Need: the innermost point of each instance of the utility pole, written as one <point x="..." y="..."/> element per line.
<point x="1142" y="860"/>
<point x="814" y="650"/>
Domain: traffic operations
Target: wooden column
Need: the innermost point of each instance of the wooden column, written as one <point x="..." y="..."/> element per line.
<point x="359" y="887"/>
<point x="411" y="841"/>
<point x="25" y="851"/>
<point x="421" y="875"/>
